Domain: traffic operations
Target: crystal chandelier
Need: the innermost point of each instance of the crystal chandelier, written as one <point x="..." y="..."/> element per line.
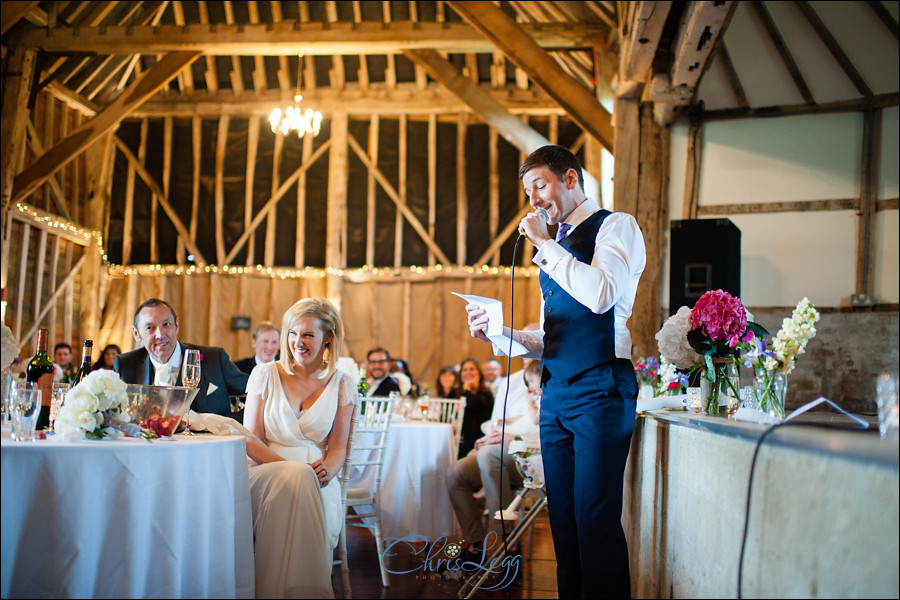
<point x="295" y="118"/>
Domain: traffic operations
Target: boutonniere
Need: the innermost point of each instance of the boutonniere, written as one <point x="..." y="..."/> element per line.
<point x="201" y="357"/>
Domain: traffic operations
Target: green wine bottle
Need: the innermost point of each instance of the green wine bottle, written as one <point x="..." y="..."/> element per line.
<point x="85" y="369"/>
<point x="40" y="372"/>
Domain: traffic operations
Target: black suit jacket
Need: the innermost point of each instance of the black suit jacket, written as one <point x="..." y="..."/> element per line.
<point x="245" y="365"/>
<point x="215" y="368"/>
<point x="387" y="385"/>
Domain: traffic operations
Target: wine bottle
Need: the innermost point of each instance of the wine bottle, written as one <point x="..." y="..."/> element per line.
<point x="85" y="369"/>
<point x="40" y="372"/>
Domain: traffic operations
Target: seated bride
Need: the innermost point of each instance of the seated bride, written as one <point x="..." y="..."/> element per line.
<point x="300" y="408"/>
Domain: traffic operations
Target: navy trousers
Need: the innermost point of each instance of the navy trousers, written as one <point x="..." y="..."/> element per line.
<point x="586" y="427"/>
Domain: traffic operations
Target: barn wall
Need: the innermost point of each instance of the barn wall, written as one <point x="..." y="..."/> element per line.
<point x="413" y="315"/>
<point x="788" y="255"/>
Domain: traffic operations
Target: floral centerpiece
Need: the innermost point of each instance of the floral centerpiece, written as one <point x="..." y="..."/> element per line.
<point x="771" y="366"/>
<point x="96" y="408"/>
<point x="670" y="381"/>
<point x="646" y="372"/>
<point x="711" y="334"/>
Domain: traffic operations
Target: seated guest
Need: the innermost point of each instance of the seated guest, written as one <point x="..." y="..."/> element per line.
<point x="479" y="402"/>
<point x="480" y="468"/>
<point x="378" y="373"/>
<point x="300" y="408"/>
<point x="64" y="368"/>
<point x="447" y="384"/>
<point x="107" y="359"/>
<point x="493" y="374"/>
<point x="265" y="344"/>
<point x="158" y="360"/>
<point x="400" y="371"/>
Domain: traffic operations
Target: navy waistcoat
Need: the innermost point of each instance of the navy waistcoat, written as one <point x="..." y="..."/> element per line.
<point x="576" y="339"/>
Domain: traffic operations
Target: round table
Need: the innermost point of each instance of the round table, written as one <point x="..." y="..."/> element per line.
<point x="126" y="518"/>
<point x="414" y="498"/>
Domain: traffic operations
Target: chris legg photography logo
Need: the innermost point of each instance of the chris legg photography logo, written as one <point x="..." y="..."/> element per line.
<point x="440" y="558"/>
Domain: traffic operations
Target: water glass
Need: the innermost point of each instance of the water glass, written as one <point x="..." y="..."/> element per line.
<point x="8" y="381"/>
<point x="25" y="410"/>
<point x="694" y="399"/>
<point x="888" y="409"/>
<point x="60" y="389"/>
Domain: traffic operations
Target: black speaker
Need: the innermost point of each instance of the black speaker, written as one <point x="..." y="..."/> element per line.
<point x="706" y="255"/>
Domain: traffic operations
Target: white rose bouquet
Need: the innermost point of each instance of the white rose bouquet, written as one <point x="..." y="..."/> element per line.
<point x="96" y="408"/>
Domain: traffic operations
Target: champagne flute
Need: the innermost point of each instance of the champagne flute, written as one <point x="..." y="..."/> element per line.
<point x="190" y="377"/>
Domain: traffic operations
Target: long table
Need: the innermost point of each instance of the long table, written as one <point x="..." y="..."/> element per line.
<point x="126" y="519"/>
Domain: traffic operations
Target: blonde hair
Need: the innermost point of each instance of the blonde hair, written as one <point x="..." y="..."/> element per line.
<point x="332" y="327"/>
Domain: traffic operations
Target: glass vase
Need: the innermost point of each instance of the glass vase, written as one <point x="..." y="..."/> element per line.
<point x="770" y="386"/>
<point x="720" y="387"/>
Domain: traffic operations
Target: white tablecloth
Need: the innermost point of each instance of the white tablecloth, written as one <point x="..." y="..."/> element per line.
<point x="414" y="499"/>
<point x="126" y="519"/>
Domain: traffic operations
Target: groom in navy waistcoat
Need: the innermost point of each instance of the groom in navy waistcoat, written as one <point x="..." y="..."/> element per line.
<point x="158" y="360"/>
<point x="589" y="276"/>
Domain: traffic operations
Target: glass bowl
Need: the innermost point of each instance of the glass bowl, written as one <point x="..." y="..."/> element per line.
<point x="159" y="408"/>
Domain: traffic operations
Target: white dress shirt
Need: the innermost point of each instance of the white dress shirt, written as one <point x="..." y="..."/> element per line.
<point x="610" y="281"/>
<point x="174" y="364"/>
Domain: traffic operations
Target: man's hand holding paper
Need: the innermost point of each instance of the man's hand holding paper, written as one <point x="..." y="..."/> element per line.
<point x="486" y="323"/>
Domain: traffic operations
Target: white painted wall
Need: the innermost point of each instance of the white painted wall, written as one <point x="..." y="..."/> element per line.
<point x="786" y="256"/>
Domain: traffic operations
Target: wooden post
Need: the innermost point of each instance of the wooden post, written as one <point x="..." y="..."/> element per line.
<point x="16" y="87"/>
<point x="337" y="204"/>
<point x="641" y="190"/>
<point x="865" y="231"/>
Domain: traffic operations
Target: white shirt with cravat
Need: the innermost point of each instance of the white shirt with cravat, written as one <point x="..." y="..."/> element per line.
<point x="610" y="281"/>
<point x="167" y="374"/>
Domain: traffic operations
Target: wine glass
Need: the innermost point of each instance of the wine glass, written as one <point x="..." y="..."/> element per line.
<point x="190" y="377"/>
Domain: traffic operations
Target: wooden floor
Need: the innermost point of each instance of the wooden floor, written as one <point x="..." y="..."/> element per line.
<point x="537" y="578"/>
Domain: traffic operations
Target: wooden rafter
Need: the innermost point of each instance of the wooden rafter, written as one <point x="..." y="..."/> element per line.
<point x="783" y="51"/>
<point x="521" y="48"/>
<point x="834" y="48"/>
<point x="60" y="155"/>
<point x="12" y="11"/>
<point x="269" y="39"/>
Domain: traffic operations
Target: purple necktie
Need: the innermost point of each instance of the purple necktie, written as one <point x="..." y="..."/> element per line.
<point x="562" y="231"/>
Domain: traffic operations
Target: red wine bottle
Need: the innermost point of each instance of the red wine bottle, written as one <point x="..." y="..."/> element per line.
<point x="40" y="369"/>
<point x="85" y="369"/>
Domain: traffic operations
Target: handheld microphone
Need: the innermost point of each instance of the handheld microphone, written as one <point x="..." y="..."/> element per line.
<point x="540" y="211"/>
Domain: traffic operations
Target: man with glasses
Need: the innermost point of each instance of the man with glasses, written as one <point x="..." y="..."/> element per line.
<point x="378" y="373"/>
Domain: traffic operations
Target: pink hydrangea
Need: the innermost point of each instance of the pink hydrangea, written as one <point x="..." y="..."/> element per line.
<point x="720" y="316"/>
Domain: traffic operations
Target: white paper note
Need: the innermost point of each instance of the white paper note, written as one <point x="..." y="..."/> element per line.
<point x="494" y="310"/>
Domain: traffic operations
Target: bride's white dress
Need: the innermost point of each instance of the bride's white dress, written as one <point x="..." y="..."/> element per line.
<point x="296" y="523"/>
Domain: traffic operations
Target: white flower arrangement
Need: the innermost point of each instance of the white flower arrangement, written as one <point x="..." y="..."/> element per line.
<point x="673" y="342"/>
<point x="96" y="408"/>
<point x="9" y="350"/>
<point x="791" y="340"/>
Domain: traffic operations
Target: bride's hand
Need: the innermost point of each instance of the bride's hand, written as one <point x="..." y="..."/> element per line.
<point x="321" y="472"/>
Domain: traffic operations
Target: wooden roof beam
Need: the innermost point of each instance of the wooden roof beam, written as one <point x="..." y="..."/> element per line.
<point x="640" y="39"/>
<point x="483" y="104"/>
<point x="702" y="26"/>
<point x="12" y="11"/>
<point x="521" y="48"/>
<point x="313" y="38"/>
<point x="79" y="140"/>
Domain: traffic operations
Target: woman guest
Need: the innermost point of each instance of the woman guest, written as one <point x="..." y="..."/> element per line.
<point x="300" y="408"/>
<point x="107" y="358"/>
<point x="447" y="384"/>
<point x="479" y="404"/>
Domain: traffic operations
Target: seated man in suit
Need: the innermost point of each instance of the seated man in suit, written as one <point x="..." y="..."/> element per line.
<point x="158" y="361"/>
<point x="265" y="342"/>
<point x="378" y="370"/>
